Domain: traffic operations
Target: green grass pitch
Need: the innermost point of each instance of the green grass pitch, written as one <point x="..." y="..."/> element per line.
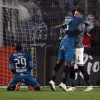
<point x="47" y="94"/>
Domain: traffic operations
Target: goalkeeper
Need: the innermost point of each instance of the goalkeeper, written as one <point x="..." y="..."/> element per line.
<point x="66" y="50"/>
<point x="20" y="63"/>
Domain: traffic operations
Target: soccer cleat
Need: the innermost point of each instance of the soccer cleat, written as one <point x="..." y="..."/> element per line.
<point x="63" y="86"/>
<point x="52" y="85"/>
<point x="18" y="86"/>
<point x="89" y="88"/>
<point x="72" y="89"/>
<point x="31" y="88"/>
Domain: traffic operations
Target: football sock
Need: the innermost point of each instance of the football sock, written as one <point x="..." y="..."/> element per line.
<point x="72" y="76"/>
<point x="56" y="68"/>
<point x="85" y="74"/>
<point x="65" y="74"/>
<point x="87" y="80"/>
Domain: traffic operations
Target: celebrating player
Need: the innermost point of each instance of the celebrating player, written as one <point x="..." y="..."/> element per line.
<point x="79" y="49"/>
<point x="20" y="63"/>
<point x="66" y="51"/>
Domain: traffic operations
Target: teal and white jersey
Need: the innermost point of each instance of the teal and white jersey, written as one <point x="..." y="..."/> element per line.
<point x="72" y="25"/>
<point x="21" y="62"/>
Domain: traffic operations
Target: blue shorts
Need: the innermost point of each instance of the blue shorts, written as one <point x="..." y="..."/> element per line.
<point x="66" y="51"/>
<point x="29" y="79"/>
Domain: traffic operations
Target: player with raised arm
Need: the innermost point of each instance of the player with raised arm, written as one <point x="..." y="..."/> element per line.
<point x="20" y="63"/>
<point x="66" y="52"/>
<point x="79" y="50"/>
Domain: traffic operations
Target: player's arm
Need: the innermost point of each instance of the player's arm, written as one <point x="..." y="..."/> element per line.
<point x="11" y="65"/>
<point x="62" y="30"/>
<point x="77" y="31"/>
<point x="31" y="64"/>
<point x="72" y="33"/>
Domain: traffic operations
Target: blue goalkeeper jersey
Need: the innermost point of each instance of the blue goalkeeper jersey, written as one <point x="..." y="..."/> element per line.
<point x="71" y="27"/>
<point x="21" y="62"/>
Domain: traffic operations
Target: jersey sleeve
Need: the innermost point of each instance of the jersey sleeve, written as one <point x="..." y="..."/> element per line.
<point x="11" y="65"/>
<point x="31" y="64"/>
<point x="81" y="27"/>
<point x="10" y="59"/>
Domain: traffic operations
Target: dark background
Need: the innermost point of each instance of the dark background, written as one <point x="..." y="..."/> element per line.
<point x="47" y="24"/>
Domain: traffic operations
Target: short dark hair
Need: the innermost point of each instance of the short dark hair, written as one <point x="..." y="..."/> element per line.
<point x="18" y="46"/>
<point x="80" y="11"/>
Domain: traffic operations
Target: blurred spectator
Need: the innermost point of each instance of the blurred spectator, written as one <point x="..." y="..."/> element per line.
<point x="87" y="37"/>
<point x="95" y="33"/>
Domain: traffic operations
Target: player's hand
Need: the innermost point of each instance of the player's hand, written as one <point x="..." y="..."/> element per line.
<point x="62" y="31"/>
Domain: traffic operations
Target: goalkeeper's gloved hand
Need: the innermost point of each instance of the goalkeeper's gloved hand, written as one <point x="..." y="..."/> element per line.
<point x="59" y="38"/>
<point x="62" y="31"/>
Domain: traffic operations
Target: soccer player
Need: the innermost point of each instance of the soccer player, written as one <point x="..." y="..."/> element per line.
<point x="66" y="52"/>
<point x="20" y="63"/>
<point x="79" y="49"/>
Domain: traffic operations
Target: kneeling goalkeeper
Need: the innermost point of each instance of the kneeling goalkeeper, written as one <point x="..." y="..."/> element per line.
<point x="20" y="63"/>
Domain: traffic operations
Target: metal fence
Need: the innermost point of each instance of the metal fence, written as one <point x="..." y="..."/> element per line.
<point x="36" y="23"/>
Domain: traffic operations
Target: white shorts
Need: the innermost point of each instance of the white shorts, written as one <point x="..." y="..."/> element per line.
<point x="78" y="52"/>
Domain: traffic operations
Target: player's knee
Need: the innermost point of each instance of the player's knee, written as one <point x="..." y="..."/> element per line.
<point x="58" y="65"/>
<point x="11" y="88"/>
<point x="37" y="88"/>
